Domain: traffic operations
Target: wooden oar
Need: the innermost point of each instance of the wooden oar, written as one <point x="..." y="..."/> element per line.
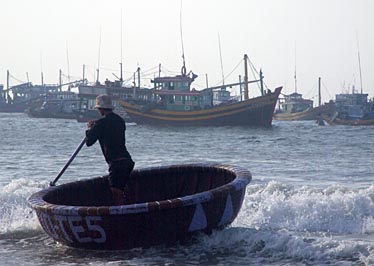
<point x="53" y="183"/>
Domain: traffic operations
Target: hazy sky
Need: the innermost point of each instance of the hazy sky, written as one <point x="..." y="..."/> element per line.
<point x="46" y="36"/>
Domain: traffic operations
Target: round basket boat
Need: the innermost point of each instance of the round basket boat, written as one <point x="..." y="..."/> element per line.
<point x="165" y="204"/>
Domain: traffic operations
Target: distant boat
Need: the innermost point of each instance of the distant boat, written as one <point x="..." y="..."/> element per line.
<point x="175" y="103"/>
<point x="60" y="104"/>
<point x="352" y="110"/>
<point x="296" y="108"/>
<point x="87" y="94"/>
<point x="18" y="98"/>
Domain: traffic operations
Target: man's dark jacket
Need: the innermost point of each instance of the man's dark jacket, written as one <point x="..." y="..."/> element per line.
<point x="110" y="131"/>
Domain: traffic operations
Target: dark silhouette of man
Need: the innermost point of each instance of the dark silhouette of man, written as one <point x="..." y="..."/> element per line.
<point x="110" y="132"/>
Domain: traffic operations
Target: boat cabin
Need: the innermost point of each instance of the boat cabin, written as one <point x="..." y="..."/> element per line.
<point x="88" y="94"/>
<point x="352" y="105"/>
<point x="61" y="101"/>
<point x="221" y="96"/>
<point x="294" y="103"/>
<point x="175" y="93"/>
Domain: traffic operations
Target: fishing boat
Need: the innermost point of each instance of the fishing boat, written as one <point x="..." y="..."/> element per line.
<point x="18" y="98"/>
<point x="352" y="109"/>
<point x="164" y="205"/>
<point x="87" y="94"/>
<point x="60" y="104"/>
<point x="296" y="108"/>
<point x="174" y="103"/>
<point x="30" y="98"/>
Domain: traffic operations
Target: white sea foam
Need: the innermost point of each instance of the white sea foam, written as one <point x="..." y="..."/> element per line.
<point x="305" y="223"/>
<point x="15" y="214"/>
<point x="277" y="222"/>
<point x="336" y="209"/>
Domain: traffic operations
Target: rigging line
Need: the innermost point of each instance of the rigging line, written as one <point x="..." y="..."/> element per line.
<point x="232" y="71"/>
<point x="311" y="91"/>
<point x="327" y="90"/>
<point x="16" y="78"/>
<point x="108" y="69"/>
<point x="151" y="69"/>
<point x="199" y="85"/>
<point x="165" y="70"/>
<point x="235" y="68"/>
<point x="253" y="69"/>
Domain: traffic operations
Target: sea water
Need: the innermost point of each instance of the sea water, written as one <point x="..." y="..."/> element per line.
<point x="311" y="200"/>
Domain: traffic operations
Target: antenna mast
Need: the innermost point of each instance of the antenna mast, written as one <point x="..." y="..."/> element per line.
<point x="98" y="61"/>
<point x="220" y="55"/>
<point x="295" y="71"/>
<point x="180" y="25"/>
<point x="121" y="79"/>
<point x="359" y="61"/>
<point x="41" y="69"/>
<point x="67" y="57"/>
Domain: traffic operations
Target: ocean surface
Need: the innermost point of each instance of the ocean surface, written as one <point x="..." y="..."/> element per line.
<point x="311" y="200"/>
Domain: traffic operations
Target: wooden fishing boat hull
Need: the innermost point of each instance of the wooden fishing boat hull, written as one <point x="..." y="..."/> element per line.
<point x="39" y="113"/>
<point x="88" y="115"/>
<point x="253" y="112"/>
<point x="166" y="204"/>
<point x="309" y="114"/>
<point x="348" y="122"/>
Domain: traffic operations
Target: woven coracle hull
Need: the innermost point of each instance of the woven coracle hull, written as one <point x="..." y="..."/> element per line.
<point x="164" y="205"/>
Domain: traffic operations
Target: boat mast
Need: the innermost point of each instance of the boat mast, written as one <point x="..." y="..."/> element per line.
<point x="41" y="69"/>
<point x="295" y="71"/>
<point x="319" y="91"/>
<point x="84" y="70"/>
<point x="67" y="58"/>
<point x="98" y="61"/>
<point x="246" y="97"/>
<point x="359" y="62"/>
<point x="121" y="79"/>
<point x="220" y="56"/>
<point x="60" y="79"/>
<point x="180" y="25"/>
<point x="261" y="82"/>
<point x="134" y="88"/>
<point x="241" y="88"/>
<point x="138" y="70"/>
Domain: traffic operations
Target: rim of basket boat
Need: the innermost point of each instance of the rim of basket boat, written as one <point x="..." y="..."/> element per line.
<point x="241" y="180"/>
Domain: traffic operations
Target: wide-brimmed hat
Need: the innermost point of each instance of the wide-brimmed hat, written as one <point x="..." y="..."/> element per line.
<point x="104" y="101"/>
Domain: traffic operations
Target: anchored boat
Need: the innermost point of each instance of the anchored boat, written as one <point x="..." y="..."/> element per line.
<point x="296" y="108"/>
<point x="165" y="204"/>
<point x="175" y="103"/>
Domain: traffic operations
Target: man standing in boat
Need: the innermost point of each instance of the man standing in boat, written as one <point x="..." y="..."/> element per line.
<point x="110" y="131"/>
